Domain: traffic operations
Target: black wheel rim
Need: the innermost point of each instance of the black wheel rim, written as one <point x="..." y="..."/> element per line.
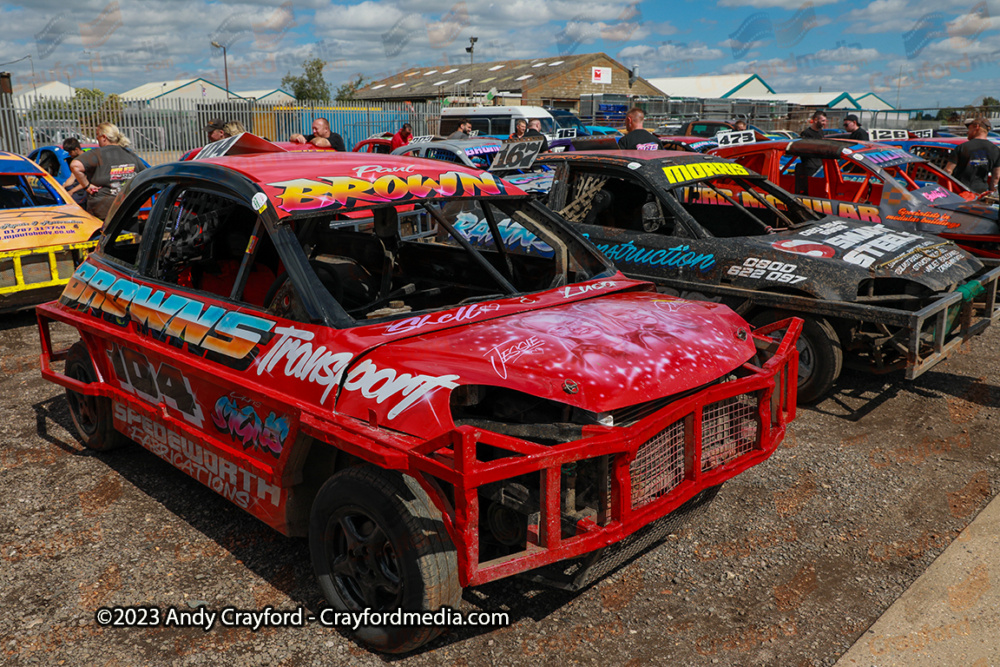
<point x="83" y="408"/>
<point x="363" y="561"/>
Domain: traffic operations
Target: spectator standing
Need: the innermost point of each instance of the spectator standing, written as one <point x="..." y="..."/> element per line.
<point x="232" y="128"/>
<point x="809" y="166"/>
<point x="464" y="128"/>
<point x="321" y="137"/>
<point x="216" y="130"/>
<point x="401" y="138"/>
<point x="520" y="127"/>
<point x="103" y="170"/>
<point x="636" y="137"/>
<point x="535" y="130"/>
<point x="73" y="187"/>
<point x="852" y="125"/>
<point x="739" y="126"/>
<point x="976" y="163"/>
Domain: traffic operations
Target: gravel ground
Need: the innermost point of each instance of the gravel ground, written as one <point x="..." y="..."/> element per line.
<point x="788" y="566"/>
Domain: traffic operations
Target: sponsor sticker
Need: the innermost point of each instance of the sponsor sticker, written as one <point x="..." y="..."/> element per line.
<point x="804" y="247"/>
<point x="259" y="202"/>
<point x="682" y="173"/>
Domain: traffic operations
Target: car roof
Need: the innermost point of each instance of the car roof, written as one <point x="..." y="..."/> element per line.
<point x="313" y="172"/>
<point x="12" y="163"/>
<point x="669" y="169"/>
<point x="625" y="156"/>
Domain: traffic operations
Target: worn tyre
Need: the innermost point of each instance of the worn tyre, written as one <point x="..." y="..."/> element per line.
<point x="821" y="357"/>
<point x="377" y="542"/>
<point x="91" y="415"/>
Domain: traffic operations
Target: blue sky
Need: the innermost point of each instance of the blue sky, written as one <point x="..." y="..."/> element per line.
<point x="948" y="56"/>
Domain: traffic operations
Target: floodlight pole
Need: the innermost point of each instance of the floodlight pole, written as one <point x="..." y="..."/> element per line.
<point x="225" y="64"/>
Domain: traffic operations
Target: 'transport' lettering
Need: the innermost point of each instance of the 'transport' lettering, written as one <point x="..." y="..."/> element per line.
<point x="326" y="369"/>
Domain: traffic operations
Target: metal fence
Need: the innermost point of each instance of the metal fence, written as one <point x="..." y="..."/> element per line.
<point x="162" y="130"/>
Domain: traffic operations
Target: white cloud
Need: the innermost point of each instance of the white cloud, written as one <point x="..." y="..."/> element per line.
<point x="793" y="5"/>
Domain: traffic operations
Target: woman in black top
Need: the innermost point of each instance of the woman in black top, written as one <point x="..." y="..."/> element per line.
<point x="102" y="171"/>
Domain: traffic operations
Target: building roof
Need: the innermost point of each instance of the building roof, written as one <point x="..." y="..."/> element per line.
<point x="507" y="76"/>
<point x="155" y="89"/>
<point x="872" y="101"/>
<point x="25" y="91"/>
<point x="262" y="93"/>
<point x="828" y="100"/>
<point x="713" y="86"/>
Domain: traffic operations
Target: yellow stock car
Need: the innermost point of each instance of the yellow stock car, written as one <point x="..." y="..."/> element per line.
<point x="44" y="234"/>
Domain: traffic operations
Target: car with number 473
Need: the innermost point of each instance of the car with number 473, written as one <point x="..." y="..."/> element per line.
<point x="431" y="413"/>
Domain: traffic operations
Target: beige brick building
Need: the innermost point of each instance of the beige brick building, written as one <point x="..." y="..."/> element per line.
<point x="557" y="81"/>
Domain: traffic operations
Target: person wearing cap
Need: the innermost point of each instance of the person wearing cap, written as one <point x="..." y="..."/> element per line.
<point x="976" y="163"/>
<point x="216" y="130"/>
<point x="853" y="125"/>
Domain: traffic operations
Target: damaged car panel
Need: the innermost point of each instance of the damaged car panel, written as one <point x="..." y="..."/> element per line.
<point x="877" y="183"/>
<point x="313" y="338"/>
<point x="710" y="228"/>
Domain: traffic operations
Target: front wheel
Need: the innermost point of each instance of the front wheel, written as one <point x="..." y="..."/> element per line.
<point x="821" y="357"/>
<point x="377" y="542"/>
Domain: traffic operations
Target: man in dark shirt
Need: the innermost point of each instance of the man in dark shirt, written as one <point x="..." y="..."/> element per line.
<point x="852" y="125"/>
<point x="464" y="128"/>
<point x="321" y="136"/>
<point x="809" y="166"/>
<point x="535" y="130"/>
<point x="637" y="138"/>
<point x="976" y="163"/>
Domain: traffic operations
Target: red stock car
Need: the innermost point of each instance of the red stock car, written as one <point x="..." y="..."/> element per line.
<point x="877" y="183"/>
<point x="431" y="414"/>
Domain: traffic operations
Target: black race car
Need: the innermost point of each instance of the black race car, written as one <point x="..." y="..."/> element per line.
<point x="705" y="227"/>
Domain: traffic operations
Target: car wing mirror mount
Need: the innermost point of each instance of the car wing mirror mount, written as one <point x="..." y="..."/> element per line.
<point x="652" y="218"/>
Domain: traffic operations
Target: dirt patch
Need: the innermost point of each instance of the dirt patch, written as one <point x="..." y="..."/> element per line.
<point x="789" y="565"/>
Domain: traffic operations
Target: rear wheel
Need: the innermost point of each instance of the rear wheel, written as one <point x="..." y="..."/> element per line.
<point x="91" y="415"/>
<point x="821" y="357"/>
<point x="377" y="542"/>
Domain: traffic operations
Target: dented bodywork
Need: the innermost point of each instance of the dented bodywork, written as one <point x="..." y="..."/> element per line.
<point x="260" y="336"/>
<point x="709" y="228"/>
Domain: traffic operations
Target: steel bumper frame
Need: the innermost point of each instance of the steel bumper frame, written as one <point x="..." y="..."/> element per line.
<point x="451" y="461"/>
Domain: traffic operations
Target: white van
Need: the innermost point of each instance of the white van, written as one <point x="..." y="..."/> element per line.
<point x="495" y="121"/>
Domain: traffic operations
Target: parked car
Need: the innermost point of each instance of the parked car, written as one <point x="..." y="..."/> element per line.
<point x="687" y="143"/>
<point x="44" y="234"/>
<point x="497" y="122"/>
<point x="710" y="128"/>
<point x="567" y="124"/>
<point x="430" y="412"/>
<point x="478" y="153"/>
<point x="878" y="183"/>
<point x="699" y="226"/>
<point x="379" y="143"/>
